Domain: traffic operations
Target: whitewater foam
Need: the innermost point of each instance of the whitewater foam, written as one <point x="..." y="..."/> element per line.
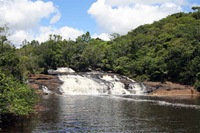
<point x="159" y="102"/>
<point x="96" y="84"/>
<point x="75" y="84"/>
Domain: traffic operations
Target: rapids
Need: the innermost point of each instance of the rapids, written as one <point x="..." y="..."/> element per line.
<point x="95" y="83"/>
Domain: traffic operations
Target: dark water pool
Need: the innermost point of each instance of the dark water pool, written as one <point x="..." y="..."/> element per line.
<point x="112" y="114"/>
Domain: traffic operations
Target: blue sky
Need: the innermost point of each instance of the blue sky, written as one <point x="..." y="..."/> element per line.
<point x="36" y="19"/>
<point x="74" y="14"/>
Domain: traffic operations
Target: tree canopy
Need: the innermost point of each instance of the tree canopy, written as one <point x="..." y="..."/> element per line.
<point x="168" y="49"/>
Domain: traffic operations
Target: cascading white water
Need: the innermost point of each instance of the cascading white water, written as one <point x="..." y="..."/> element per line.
<point x="118" y="89"/>
<point x="76" y="84"/>
<point x="137" y="88"/>
<point x="95" y="84"/>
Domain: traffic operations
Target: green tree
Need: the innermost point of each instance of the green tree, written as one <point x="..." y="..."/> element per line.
<point x="15" y="98"/>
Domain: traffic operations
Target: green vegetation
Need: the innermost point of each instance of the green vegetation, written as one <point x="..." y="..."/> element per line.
<point x="167" y="50"/>
<point x="16" y="98"/>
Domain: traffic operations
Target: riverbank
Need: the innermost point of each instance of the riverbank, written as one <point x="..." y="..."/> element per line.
<point x="171" y="89"/>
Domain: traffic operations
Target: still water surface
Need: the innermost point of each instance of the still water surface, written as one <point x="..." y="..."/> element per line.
<point x="112" y="114"/>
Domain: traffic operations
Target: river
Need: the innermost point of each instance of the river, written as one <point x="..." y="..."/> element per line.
<point x="113" y="113"/>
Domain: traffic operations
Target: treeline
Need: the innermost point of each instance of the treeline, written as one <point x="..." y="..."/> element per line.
<point x="167" y="50"/>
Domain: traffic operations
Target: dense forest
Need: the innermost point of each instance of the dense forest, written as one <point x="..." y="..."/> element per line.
<point x="167" y="50"/>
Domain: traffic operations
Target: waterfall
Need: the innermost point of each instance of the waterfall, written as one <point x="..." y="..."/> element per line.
<point x="76" y="84"/>
<point x="93" y="83"/>
<point x="137" y="88"/>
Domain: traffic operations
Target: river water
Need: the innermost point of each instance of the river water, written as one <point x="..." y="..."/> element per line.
<point x="111" y="114"/>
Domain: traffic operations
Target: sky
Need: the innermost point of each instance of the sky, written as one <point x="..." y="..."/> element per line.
<point x="37" y="19"/>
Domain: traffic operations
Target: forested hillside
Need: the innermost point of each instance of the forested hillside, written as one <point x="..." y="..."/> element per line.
<point x="168" y="49"/>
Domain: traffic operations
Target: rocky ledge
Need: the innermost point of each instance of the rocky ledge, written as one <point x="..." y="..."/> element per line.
<point x="170" y="89"/>
<point x="37" y="81"/>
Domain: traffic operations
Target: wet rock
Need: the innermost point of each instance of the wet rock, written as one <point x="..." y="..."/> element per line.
<point x="52" y="82"/>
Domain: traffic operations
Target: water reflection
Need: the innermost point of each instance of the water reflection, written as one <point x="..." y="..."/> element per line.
<point x="114" y="114"/>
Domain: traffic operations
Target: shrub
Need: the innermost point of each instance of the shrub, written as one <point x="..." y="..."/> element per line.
<point x="15" y="98"/>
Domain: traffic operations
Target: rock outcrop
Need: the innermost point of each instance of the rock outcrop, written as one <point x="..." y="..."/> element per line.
<point x="169" y="89"/>
<point x="52" y="82"/>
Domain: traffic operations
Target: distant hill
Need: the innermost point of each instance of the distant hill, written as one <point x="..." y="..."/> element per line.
<point x="168" y="49"/>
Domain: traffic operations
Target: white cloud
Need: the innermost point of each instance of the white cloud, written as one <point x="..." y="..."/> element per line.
<point x="19" y="36"/>
<point x="144" y="2"/>
<point x="23" y="17"/>
<point x="26" y="14"/>
<point x="66" y="32"/>
<point x="103" y="36"/>
<point x="43" y="35"/>
<point x="3" y="1"/>
<point x="55" y="18"/>
<point x="121" y="16"/>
